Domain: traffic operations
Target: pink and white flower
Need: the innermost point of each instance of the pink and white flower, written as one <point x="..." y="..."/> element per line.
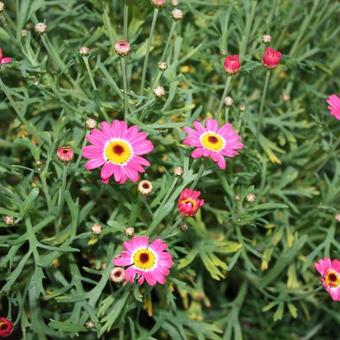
<point x="118" y="149"/>
<point x="334" y="106"/>
<point x="4" y="60"/>
<point x="146" y="261"/>
<point x="212" y="141"/>
<point x="330" y="272"/>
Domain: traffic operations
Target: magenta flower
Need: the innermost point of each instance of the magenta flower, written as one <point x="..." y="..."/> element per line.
<point x="189" y="202"/>
<point x="330" y="272"/>
<point x="4" y="60"/>
<point x="271" y="57"/>
<point x="118" y="149"/>
<point x="334" y="106"/>
<point x="122" y="47"/>
<point x="232" y="64"/>
<point x="214" y="142"/>
<point x="150" y="262"/>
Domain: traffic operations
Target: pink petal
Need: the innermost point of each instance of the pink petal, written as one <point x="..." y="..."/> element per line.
<point x="107" y="170"/>
<point x="94" y="163"/>
<point x="6" y="60"/>
<point x="197" y="153"/>
<point x="158" y="245"/>
<point x="323" y="265"/>
<point x="211" y="125"/>
<point x="123" y="259"/>
<point x="150" y="278"/>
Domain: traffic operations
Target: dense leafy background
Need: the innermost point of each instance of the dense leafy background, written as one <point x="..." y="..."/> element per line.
<point x="241" y="269"/>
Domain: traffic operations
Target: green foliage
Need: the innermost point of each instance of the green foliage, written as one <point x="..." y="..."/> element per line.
<point x="242" y="268"/>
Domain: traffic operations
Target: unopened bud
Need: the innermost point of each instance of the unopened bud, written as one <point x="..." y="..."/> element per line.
<point x="159" y="91"/>
<point x="266" y="38"/>
<point x="178" y="171"/>
<point x="96" y="229"/>
<point x="177" y="14"/>
<point x="129" y="231"/>
<point x="84" y="51"/>
<point x="162" y="65"/>
<point x="90" y="123"/>
<point x="228" y="101"/>
<point x="40" y="27"/>
<point x="9" y="220"/>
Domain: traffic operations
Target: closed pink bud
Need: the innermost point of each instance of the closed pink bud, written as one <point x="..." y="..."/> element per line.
<point x="232" y="64"/>
<point x="122" y="47"/>
<point x="189" y="202"/>
<point x="4" y="60"/>
<point x="65" y="153"/>
<point x="271" y="58"/>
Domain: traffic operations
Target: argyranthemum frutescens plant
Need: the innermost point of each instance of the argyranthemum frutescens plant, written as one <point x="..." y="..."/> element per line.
<point x="126" y="211"/>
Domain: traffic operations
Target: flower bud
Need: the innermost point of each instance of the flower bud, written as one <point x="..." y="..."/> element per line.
<point x="40" y="27"/>
<point x="122" y="47"/>
<point x="159" y="91"/>
<point x="6" y="327"/>
<point x="96" y="229"/>
<point x="266" y="38"/>
<point x="129" y="231"/>
<point x="89" y="324"/>
<point x="337" y="217"/>
<point x="232" y="64"/>
<point x="145" y="187"/>
<point x="117" y="274"/>
<point x="9" y="220"/>
<point x="177" y="14"/>
<point x="90" y="123"/>
<point x="178" y="171"/>
<point x="24" y="32"/>
<point x="251" y="198"/>
<point x="175" y="2"/>
<point x="285" y="97"/>
<point x="228" y="101"/>
<point x="162" y="65"/>
<point x="242" y="107"/>
<point x="158" y="3"/>
<point x="84" y="51"/>
<point x="271" y="58"/>
<point x="2" y="6"/>
<point x="65" y="153"/>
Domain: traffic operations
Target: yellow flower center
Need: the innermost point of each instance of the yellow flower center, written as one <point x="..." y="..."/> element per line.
<point x="118" y="151"/>
<point x="190" y="201"/>
<point x="212" y="141"/>
<point x="144" y="259"/>
<point x="332" y="279"/>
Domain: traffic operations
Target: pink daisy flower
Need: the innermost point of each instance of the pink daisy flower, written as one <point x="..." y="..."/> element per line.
<point x="330" y="272"/>
<point x="334" y="106"/>
<point x="212" y="141"/>
<point x="149" y="262"/>
<point x="4" y="60"/>
<point x="189" y="202"/>
<point x="118" y="149"/>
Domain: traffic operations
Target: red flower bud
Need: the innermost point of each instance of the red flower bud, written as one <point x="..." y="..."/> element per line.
<point x="271" y="57"/>
<point x="6" y="327"/>
<point x="65" y="153"/>
<point x="189" y="202"/>
<point x="232" y="64"/>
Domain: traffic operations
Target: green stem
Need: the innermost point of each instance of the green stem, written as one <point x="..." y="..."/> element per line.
<point x="167" y="232"/>
<point x="198" y="176"/>
<point x="169" y="40"/>
<point x="154" y="19"/>
<point x="223" y="95"/>
<point x="86" y="61"/>
<point x="264" y="93"/>
<point x="122" y="59"/>
<point x="126" y="15"/>
<point x="249" y="21"/>
<point x="147" y="206"/>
